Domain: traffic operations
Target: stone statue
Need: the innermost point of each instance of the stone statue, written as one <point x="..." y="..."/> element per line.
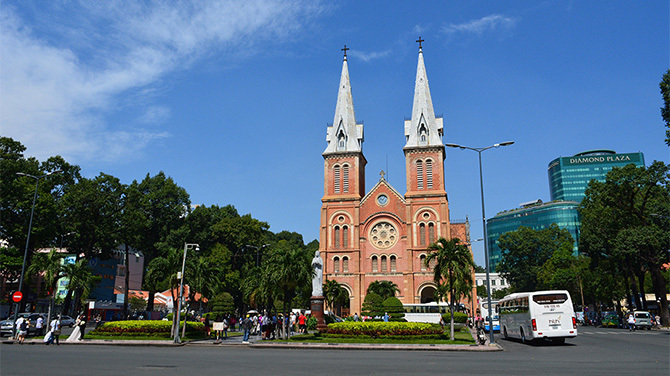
<point x="317" y="276"/>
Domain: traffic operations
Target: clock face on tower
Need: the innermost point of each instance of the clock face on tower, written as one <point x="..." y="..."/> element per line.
<point x="382" y="200"/>
<point x="383" y="235"/>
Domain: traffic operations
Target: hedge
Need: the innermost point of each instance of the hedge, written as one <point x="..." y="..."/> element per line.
<point x="143" y="327"/>
<point x="377" y="329"/>
<point x="459" y="317"/>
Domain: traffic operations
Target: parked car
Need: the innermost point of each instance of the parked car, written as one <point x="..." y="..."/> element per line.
<point x="66" y="321"/>
<point x="642" y="320"/>
<point x="610" y="320"/>
<point x="6" y="327"/>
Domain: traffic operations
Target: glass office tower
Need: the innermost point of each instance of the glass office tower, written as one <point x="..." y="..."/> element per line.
<point x="535" y="215"/>
<point x="569" y="176"/>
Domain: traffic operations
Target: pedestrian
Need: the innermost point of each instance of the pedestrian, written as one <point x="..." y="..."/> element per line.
<point x="17" y="325"/>
<point x="39" y="326"/>
<point x="386" y="317"/>
<point x="225" y="328"/>
<point x="302" y="324"/>
<point x="23" y="330"/>
<point x="55" y="330"/>
<point x="246" y="326"/>
<point x="356" y="318"/>
<point x="631" y="322"/>
<point x="208" y="328"/>
<point x="82" y="326"/>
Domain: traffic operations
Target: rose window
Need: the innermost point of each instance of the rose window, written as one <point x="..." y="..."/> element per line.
<point x="383" y="235"/>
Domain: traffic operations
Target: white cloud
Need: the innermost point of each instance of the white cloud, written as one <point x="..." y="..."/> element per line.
<point x="61" y="77"/>
<point x="368" y="56"/>
<point x="494" y="23"/>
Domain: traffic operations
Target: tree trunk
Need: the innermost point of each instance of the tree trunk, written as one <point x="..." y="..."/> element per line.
<point x="640" y="281"/>
<point x="150" y="299"/>
<point x="659" y="283"/>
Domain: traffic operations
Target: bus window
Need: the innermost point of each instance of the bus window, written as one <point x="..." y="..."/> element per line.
<point x="550" y="298"/>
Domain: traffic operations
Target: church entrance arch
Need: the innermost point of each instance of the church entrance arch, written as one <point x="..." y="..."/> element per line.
<point x="427" y="294"/>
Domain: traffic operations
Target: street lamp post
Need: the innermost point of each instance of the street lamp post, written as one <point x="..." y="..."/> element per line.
<point x="486" y="247"/>
<point x="181" y="289"/>
<point x="258" y="249"/>
<point x="30" y="226"/>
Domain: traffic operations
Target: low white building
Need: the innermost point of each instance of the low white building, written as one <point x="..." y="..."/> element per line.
<point x="497" y="281"/>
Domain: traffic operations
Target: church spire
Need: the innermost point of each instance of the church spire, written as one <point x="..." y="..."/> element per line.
<point x="344" y="135"/>
<point x="424" y="129"/>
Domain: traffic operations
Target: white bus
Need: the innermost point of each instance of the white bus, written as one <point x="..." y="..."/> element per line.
<point x="539" y="314"/>
<point x="484" y="311"/>
<point x="427" y="312"/>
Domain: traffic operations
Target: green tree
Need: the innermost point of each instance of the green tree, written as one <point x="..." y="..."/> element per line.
<point x="565" y="271"/>
<point x="80" y="282"/>
<point x="51" y="266"/>
<point x="372" y="305"/>
<point x="665" y="110"/>
<point x="627" y="219"/>
<point x="453" y="270"/>
<point x="161" y="208"/>
<point x="222" y="305"/>
<point x="525" y="251"/>
<point x="288" y="268"/>
<point x="481" y="291"/>
<point x="335" y="294"/>
<point x="385" y="289"/>
<point x="393" y="306"/>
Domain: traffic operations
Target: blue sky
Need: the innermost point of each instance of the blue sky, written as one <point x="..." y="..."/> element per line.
<point x="232" y="99"/>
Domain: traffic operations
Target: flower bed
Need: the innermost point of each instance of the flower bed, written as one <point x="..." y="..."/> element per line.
<point x="144" y="327"/>
<point x="383" y="329"/>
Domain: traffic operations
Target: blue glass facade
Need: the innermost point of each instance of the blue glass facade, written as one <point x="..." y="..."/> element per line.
<point x="569" y="176"/>
<point x="536" y="217"/>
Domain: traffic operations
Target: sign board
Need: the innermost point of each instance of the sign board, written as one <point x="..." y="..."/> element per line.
<point x="17" y="296"/>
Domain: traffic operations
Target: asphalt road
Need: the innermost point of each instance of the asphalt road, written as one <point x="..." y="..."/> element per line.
<point x="596" y="351"/>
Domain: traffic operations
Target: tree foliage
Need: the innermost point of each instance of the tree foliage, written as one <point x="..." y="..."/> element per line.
<point x="385" y="289"/>
<point x="626" y="226"/>
<point x="525" y="251"/>
<point x="665" y="110"/>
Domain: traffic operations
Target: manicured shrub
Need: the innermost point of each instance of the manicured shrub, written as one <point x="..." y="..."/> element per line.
<point x="393" y="306"/>
<point x="459" y="317"/>
<point x="182" y="316"/>
<point x="311" y="323"/>
<point x="144" y="327"/>
<point x="372" y="305"/>
<point x="377" y="329"/>
<point x="223" y="304"/>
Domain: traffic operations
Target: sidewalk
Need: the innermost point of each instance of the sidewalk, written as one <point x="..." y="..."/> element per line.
<point x="256" y="342"/>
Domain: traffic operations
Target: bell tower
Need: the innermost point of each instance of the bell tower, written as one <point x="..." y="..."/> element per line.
<point x="343" y="190"/>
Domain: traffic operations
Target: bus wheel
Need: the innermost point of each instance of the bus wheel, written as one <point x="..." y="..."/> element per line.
<point x="523" y="336"/>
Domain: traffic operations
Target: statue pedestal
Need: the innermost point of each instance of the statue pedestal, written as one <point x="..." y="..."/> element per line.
<point x="316" y="304"/>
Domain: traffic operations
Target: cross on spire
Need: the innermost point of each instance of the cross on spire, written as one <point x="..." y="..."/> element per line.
<point x="419" y="41"/>
<point x="345" y="49"/>
<point x="382" y="173"/>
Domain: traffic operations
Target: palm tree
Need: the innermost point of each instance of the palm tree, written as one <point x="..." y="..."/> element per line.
<point x="162" y="268"/>
<point x="335" y="294"/>
<point x="453" y="270"/>
<point x="81" y="281"/>
<point x="51" y="264"/>
<point x="204" y="278"/>
<point x="288" y="268"/>
<point x="385" y="289"/>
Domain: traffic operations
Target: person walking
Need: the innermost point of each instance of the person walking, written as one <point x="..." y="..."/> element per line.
<point x="246" y="326"/>
<point x="39" y="326"/>
<point x="356" y="318"/>
<point x="225" y="327"/>
<point x="23" y="330"/>
<point x="302" y="324"/>
<point x="631" y="322"/>
<point x="54" y="329"/>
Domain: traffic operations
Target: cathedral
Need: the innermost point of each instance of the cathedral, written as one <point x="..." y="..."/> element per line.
<point x="381" y="234"/>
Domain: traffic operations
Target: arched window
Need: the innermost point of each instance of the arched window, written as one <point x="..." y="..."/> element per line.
<point x="383" y="263"/>
<point x="336" y="265"/>
<point x="422" y="234"/>
<point x="345" y="178"/>
<point x="336" y="179"/>
<point x="431" y="233"/>
<point x="393" y="264"/>
<point x="374" y="264"/>
<point x="429" y="174"/>
<point x="422" y="260"/>
<point x="345" y="236"/>
<point x="419" y="174"/>
<point x="423" y="134"/>
<point x="345" y="264"/>
<point x="341" y="140"/>
<point x="337" y="236"/>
